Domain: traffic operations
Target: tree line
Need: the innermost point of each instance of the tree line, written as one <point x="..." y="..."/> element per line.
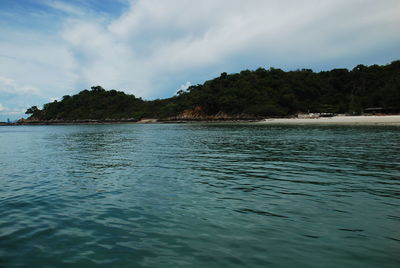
<point x="259" y="93"/>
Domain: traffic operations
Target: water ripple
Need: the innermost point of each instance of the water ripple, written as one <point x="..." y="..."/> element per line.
<point x="205" y="195"/>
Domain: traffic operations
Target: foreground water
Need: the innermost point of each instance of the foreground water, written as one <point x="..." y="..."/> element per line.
<point x="199" y="195"/>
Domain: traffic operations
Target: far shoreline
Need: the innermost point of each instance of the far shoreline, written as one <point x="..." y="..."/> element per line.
<point x="392" y="120"/>
<point x="337" y="120"/>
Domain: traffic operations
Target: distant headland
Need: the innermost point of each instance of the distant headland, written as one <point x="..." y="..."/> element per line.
<point x="244" y="96"/>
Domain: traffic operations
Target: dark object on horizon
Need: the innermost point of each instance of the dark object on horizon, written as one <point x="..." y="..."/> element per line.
<point x="248" y="94"/>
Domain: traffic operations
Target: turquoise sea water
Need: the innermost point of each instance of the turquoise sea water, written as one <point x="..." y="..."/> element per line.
<point x="199" y="195"/>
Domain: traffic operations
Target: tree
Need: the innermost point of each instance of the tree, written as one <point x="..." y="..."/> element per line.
<point x="98" y="89"/>
<point x="32" y="110"/>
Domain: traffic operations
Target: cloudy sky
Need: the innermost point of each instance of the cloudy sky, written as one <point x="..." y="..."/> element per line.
<point x="152" y="48"/>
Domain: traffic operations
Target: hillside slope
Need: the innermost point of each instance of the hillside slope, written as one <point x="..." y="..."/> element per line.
<point x="248" y="94"/>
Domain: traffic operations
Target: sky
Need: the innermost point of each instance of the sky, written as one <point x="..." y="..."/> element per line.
<point x="153" y="48"/>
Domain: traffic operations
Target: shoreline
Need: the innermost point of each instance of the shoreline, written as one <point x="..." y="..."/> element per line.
<point x="145" y="121"/>
<point x="337" y="120"/>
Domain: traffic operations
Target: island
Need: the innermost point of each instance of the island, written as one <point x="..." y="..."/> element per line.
<point x="245" y="96"/>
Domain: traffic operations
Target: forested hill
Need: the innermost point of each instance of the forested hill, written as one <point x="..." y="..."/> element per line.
<point x="259" y="93"/>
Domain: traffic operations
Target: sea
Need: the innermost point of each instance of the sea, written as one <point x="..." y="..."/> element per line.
<point x="199" y="195"/>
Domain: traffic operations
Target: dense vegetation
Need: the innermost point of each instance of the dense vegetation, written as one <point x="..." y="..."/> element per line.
<point x="261" y="92"/>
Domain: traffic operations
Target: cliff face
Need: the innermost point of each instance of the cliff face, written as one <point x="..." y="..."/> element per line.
<point x="198" y="114"/>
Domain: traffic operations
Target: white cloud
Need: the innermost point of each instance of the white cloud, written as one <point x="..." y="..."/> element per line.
<point x="155" y="45"/>
<point x="9" y="85"/>
<point x="34" y="62"/>
<point x="185" y="86"/>
<point x="7" y="111"/>
<point x="64" y="7"/>
<point x="155" y="42"/>
<point x="2" y="108"/>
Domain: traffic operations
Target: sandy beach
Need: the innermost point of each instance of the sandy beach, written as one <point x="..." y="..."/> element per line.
<point x="338" y="120"/>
